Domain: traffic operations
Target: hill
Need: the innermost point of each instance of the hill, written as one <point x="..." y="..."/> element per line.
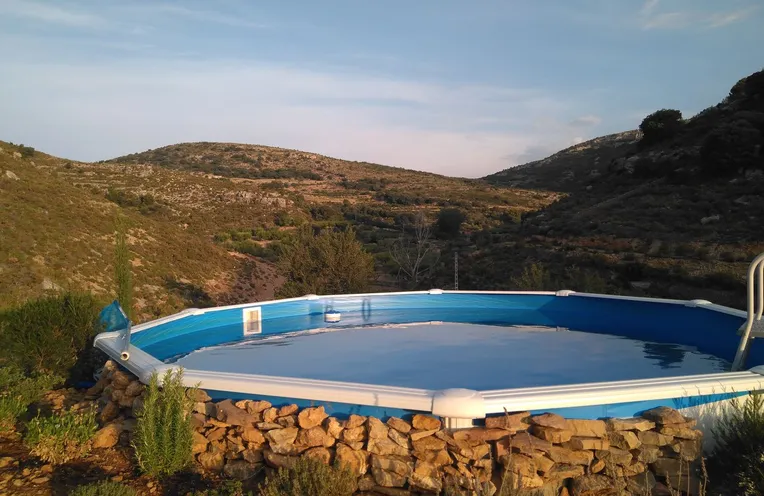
<point x="674" y="216"/>
<point x="207" y="218"/>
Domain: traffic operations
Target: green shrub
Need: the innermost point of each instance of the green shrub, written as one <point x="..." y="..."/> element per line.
<point x="227" y="488"/>
<point x="310" y="477"/>
<point x="533" y="278"/>
<point x="731" y="147"/>
<point x="331" y="262"/>
<point x="163" y="434"/>
<point x="18" y="391"/>
<point x="61" y="437"/>
<point x="449" y="222"/>
<point x="737" y="460"/>
<point x="51" y="333"/>
<point x="661" y="125"/>
<point x="104" y="488"/>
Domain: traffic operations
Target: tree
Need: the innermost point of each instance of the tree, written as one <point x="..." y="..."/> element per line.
<point x="331" y="262"/>
<point x="123" y="270"/>
<point x="661" y="125"/>
<point x="731" y="147"/>
<point x="415" y="254"/>
<point x="450" y="221"/>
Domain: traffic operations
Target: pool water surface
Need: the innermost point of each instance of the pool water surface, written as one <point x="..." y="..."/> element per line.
<point x="453" y="355"/>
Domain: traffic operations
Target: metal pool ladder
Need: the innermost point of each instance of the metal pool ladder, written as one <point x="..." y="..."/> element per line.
<point x="754" y="326"/>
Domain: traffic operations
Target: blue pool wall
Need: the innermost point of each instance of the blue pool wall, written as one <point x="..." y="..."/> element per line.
<point x="710" y="331"/>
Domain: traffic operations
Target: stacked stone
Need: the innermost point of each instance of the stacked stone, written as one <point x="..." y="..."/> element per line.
<point x="546" y="452"/>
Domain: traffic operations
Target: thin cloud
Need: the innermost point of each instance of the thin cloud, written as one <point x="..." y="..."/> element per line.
<point x="202" y="15"/>
<point x="650" y="18"/>
<point x="48" y="13"/>
<point x="720" y="19"/>
<point x="586" y="121"/>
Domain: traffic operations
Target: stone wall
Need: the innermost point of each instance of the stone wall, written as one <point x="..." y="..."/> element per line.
<point x="543" y="454"/>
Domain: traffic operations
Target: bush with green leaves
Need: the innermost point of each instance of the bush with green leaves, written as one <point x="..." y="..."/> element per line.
<point x="660" y="126"/>
<point x="18" y="391"/>
<point x="123" y="269"/>
<point x="104" y="488"/>
<point x="61" y="437"/>
<point x="51" y="333"/>
<point x="533" y="278"/>
<point x="449" y="222"/>
<point x="331" y="262"/>
<point x="310" y="477"/>
<point x="163" y="435"/>
<point x="737" y="462"/>
<point x="732" y="147"/>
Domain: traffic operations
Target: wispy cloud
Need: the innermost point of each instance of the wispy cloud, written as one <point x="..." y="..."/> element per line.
<point x="49" y="13"/>
<point x="586" y="121"/>
<point x="651" y="18"/>
<point x="207" y="16"/>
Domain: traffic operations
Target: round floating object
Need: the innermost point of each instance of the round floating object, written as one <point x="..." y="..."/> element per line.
<point x="332" y="317"/>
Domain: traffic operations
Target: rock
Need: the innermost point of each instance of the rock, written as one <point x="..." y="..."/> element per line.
<point x="134" y="388"/>
<point x="197" y="421"/>
<point x="597" y="467"/>
<point x="394" y="465"/>
<point x="425" y="422"/>
<point x="523" y="443"/>
<point x="40" y="480"/>
<point x="519" y="464"/>
<point x="333" y="427"/>
<point x="560" y="472"/>
<point x="120" y="380"/>
<point x="689" y="450"/>
<point x="110" y="412"/>
<point x="680" y="432"/>
<point x="399" y="439"/>
<point x="355" y="421"/>
<point x="269" y="426"/>
<point x="429" y="443"/>
<point x="213" y="462"/>
<point x="625" y="440"/>
<point x="480" y="435"/>
<point x="200" y="443"/>
<point x="197" y="395"/>
<point x="557" y="436"/>
<point x="388" y="479"/>
<point x="386" y="447"/>
<point x="616" y="456"/>
<point x="653" y="438"/>
<point x="641" y="484"/>
<point x="430" y="484"/>
<point x="252" y="455"/>
<point x="288" y="421"/>
<point x="643" y="285"/>
<point x="664" y="415"/>
<point x="511" y="421"/>
<point x="270" y="415"/>
<point x="635" y="468"/>
<point x="356" y="461"/>
<point x="668" y="466"/>
<point x="16" y="155"/>
<point x="279" y="461"/>
<point x="319" y="453"/>
<point x="228" y="412"/>
<point x="570" y="457"/>
<point x="587" y="443"/>
<point x="216" y="433"/>
<point x="354" y="434"/>
<point x="549" y="420"/>
<point x="241" y="469"/>
<point x="207" y="409"/>
<point x="416" y="435"/>
<point x="10" y="175"/>
<point x="366" y="483"/>
<point x="710" y="219"/>
<point x="282" y="436"/>
<point x="630" y="424"/>
<point x="255" y="407"/>
<point x="356" y="445"/>
<point x="137" y="405"/>
<point x="474" y="452"/>
<point x="315" y="436"/>
<point x="287" y="410"/>
<point x="399" y="425"/>
<point x="595" y="485"/>
<point x="646" y="453"/>
<point x="587" y="428"/>
<point x="377" y="430"/>
<point x="437" y="458"/>
<point x="311" y="417"/>
<point x="108" y="436"/>
<point x="252" y="435"/>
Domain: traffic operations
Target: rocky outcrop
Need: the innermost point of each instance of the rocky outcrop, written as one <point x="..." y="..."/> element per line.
<point x="417" y="455"/>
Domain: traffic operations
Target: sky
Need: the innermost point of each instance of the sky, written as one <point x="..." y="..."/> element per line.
<point x="462" y="88"/>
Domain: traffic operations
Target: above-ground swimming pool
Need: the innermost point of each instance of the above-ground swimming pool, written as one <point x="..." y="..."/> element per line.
<point x="461" y="355"/>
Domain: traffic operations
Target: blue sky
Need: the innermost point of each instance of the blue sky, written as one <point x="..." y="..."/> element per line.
<point x="450" y="86"/>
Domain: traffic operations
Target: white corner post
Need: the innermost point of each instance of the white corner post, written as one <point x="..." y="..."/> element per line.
<point x="458" y="407"/>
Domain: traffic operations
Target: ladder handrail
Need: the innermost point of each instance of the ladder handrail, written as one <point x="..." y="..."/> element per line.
<point x="755" y="308"/>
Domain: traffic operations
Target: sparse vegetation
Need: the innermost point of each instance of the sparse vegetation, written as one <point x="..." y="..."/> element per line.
<point x="738" y="457"/>
<point x="104" y="488"/>
<point x="534" y="278"/>
<point x="731" y="148"/>
<point x="227" y="488"/>
<point x="310" y="477"/>
<point x="50" y="333"/>
<point x="18" y="391"/>
<point x="61" y="437"/>
<point x="164" y="435"/>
